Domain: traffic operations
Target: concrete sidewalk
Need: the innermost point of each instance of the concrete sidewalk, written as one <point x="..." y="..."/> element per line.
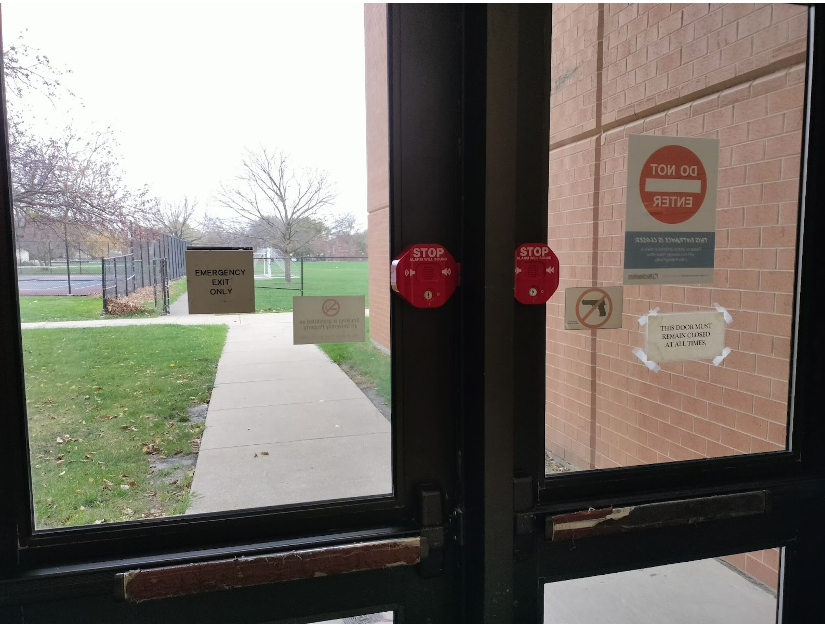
<point x="285" y="425"/>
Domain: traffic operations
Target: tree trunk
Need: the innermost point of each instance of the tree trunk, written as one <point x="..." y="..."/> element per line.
<point x="287" y="270"/>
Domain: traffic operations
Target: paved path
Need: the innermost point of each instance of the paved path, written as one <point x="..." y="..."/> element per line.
<point x="704" y="591"/>
<point x="315" y="434"/>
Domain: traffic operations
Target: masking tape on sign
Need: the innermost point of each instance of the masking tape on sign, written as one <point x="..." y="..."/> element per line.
<point x="725" y="313"/>
<point x="718" y="359"/>
<point x="643" y="318"/>
<point x="649" y="363"/>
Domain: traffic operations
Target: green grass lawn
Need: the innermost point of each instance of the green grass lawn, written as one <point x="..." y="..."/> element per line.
<point x="82" y="308"/>
<point x="100" y="399"/>
<point x="37" y="309"/>
<point x="362" y="361"/>
<point x="320" y="278"/>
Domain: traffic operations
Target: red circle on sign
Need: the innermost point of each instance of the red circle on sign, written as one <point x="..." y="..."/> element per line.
<point x="673" y="184"/>
<point x="602" y="295"/>
<point x="331" y="307"/>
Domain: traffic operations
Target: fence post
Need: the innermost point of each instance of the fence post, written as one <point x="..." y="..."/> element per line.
<point x="154" y="280"/>
<point x="125" y="276"/>
<point x="302" y="276"/>
<point x="68" y="268"/>
<point x="114" y="264"/>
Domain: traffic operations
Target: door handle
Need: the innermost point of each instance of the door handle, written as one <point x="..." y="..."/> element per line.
<point x="611" y="520"/>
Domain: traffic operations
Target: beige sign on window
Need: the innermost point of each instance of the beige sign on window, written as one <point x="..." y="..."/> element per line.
<point x="685" y="336"/>
<point x="220" y="281"/>
<point x="593" y="307"/>
<point x="324" y="320"/>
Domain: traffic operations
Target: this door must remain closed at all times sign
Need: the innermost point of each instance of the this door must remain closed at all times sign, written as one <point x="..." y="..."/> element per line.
<point x="670" y="234"/>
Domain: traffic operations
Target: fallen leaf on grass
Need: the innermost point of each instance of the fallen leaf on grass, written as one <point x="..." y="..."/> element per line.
<point x="60" y="440"/>
<point x="264" y="452"/>
<point x="150" y="494"/>
<point x="62" y="473"/>
<point x="178" y="451"/>
<point x="108" y="485"/>
<point x="124" y="487"/>
<point x="60" y="461"/>
<point x="150" y="448"/>
<point x="132" y="484"/>
<point x="126" y="511"/>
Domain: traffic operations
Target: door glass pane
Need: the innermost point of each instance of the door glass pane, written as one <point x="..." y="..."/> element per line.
<point x="740" y="589"/>
<point x="240" y="127"/>
<point x="676" y="134"/>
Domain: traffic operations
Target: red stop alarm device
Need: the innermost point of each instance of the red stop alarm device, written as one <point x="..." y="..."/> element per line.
<point x="537" y="273"/>
<point x="425" y="275"/>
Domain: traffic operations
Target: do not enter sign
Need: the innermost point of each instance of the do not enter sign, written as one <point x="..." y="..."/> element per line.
<point x="670" y="217"/>
<point x="673" y="184"/>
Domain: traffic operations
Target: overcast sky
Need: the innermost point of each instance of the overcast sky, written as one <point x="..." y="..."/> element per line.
<point x="186" y="87"/>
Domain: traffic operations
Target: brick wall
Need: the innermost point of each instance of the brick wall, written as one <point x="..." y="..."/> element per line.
<point x="378" y="180"/>
<point x="732" y="72"/>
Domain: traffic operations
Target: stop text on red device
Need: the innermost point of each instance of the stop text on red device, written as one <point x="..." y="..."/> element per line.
<point x="536" y="273"/>
<point x="425" y="275"/>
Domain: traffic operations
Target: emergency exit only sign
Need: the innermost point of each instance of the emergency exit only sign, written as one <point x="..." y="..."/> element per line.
<point x="670" y="231"/>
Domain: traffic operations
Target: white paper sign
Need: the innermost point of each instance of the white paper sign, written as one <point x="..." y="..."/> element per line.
<point x="324" y="320"/>
<point x="685" y="336"/>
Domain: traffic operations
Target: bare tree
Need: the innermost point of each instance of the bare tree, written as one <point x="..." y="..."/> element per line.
<point x="67" y="182"/>
<point x="178" y="219"/>
<point x="287" y="201"/>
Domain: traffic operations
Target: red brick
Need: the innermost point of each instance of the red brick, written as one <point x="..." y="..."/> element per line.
<point x="762" y="215"/>
<point x="775" y="324"/>
<point x="696" y="370"/>
<point x="757" y="427"/>
<point x="735" y="440"/>
<point x="785" y="190"/>
<point x="750" y="153"/>
<point x="681" y="419"/>
<point x="760" y="258"/>
<point x="746" y="237"/>
<point x="780" y="236"/>
<point x="746" y="195"/>
<point x="755" y="384"/>
<point x="723" y="376"/>
<point x="755" y="343"/>
<point x="766" y="127"/>
<point x="740" y="401"/>
<point x="777" y="433"/>
<point x="785" y="145"/>
<point x="744" y="279"/>
<point x="722" y="415"/>
<point x="787" y="99"/>
<point x="694" y="442"/>
<point x="750" y="109"/>
<point x="718" y="450"/>
<point x="764" y="171"/>
<point x="777" y="281"/>
<point x="730" y="218"/>
<point x="775" y="411"/>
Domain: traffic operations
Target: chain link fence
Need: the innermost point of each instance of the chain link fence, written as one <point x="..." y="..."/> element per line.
<point x="57" y="267"/>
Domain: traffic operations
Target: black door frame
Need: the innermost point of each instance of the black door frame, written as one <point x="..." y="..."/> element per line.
<point x="469" y="103"/>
